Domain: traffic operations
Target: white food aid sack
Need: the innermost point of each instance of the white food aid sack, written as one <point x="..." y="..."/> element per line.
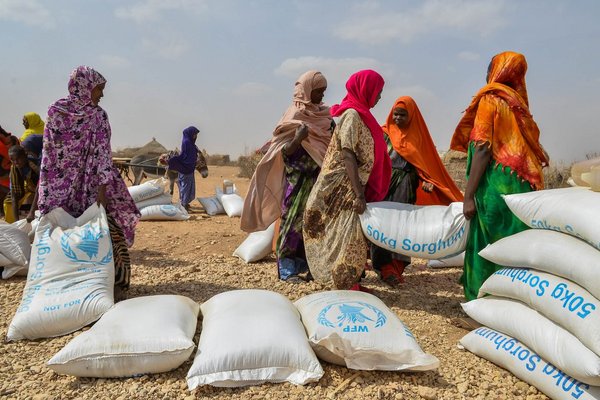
<point x="165" y="212"/>
<point x="550" y="341"/>
<point x="71" y="275"/>
<point x="525" y="364"/>
<point x="211" y="205"/>
<point x="14" y="249"/>
<point x="148" y="189"/>
<point x="560" y="300"/>
<point x="233" y="204"/>
<point x="575" y="211"/>
<point x="552" y="252"/>
<point x="359" y="331"/>
<point x="143" y="335"/>
<point x="257" y="245"/>
<point x="250" y="337"/>
<point x="449" y="262"/>
<point x="429" y="232"/>
<point x="161" y="199"/>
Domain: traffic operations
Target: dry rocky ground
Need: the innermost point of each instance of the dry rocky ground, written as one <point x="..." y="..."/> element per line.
<point x="193" y="258"/>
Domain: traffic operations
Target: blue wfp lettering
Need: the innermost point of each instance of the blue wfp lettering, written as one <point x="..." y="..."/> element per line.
<point x="432" y="248"/>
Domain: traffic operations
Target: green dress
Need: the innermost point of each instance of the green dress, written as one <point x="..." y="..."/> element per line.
<point x="493" y="221"/>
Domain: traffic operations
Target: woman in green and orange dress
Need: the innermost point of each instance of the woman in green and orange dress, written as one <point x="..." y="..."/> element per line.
<point x="504" y="157"/>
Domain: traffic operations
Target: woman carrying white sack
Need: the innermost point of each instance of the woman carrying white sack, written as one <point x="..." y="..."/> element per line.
<point x="77" y="169"/>
<point x="504" y="157"/>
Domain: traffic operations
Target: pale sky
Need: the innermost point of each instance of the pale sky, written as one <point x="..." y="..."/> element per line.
<point x="229" y="66"/>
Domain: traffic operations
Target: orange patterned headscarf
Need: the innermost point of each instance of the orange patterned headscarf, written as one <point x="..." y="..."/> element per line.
<point x="415" y="145"/>
<point x="499" y="116"/>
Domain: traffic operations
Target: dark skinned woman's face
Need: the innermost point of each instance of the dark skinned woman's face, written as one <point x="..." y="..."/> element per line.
<point x="316" y="96"/>
<point x="400" y="117"/>
<point x="98" y="93"/>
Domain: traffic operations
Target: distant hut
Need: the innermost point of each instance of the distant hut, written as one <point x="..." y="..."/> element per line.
<point x="151" y="148"/>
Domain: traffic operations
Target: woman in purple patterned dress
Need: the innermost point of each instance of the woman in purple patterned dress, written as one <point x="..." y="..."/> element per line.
<point x="77" y="168"/>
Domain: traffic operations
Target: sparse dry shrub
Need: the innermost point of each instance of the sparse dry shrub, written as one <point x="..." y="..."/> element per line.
<point x="218" y="159"/>
<point x="456" y="165"/>
<point x="247" y="164"/>
<point x="556" y="175"/>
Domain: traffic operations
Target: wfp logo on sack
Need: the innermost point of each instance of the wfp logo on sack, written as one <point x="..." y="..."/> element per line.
<point x="168" y="210"/>
<point x="353" y="316"/>
<point x="83" y="246"/>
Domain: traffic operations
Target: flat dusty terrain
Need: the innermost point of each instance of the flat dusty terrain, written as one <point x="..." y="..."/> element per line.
<point x="193" y="258"/>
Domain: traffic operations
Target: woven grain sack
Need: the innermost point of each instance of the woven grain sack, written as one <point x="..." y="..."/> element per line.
<point x="359" y="331"/>
<point x="211" y="205"/>
<point x="71" y="275"/>
<point x="15" y="249"/>
<point x="560" y="300"/>
<point x="250" y="337"/>
<point x="448" y="262"/>
<point x="161" y="199"/>
<point x="233" y="203"/>
<point x="552" y="252"/>
<point x="148" y="189"/>
<point x="165" y="212"/>
<point x="550" y="341"/>
<point x="512" y="355"/>
<point x="257" y="245"/>
<point x="575" y="211"/>
<point x="143" y="335"/>
<point x="429" y="232"/>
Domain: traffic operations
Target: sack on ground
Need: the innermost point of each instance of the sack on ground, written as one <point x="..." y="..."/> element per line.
<point x="430" y="232"/>
<point x="165" y="212"/>
<point x="550" y="341"/>
<point x="359" y="331"/>
<point x="575" y="211"/>
<point x="149" y="189"/>
<point x="512" y="355"/>
<point x="250" y="337"/>
<point x="14" y="249"/>
<point x="233" y="204"/>
<point x="257" y="245"/>
<point x="22" y="225"/>
<point x="448" y="262"/>
<point x="552" y="252"/>
<point x="161" y="199"/>
<point x="211" y="205"/>
<point x="143" y="335"/>
<point x="560" y="300"/>
<point x="71" y="276"/>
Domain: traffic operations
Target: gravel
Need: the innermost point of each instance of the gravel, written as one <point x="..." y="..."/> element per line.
<point x="192" y="258"/>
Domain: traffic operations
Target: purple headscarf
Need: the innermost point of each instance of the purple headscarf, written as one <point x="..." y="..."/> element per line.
<point x="185" y="163"/>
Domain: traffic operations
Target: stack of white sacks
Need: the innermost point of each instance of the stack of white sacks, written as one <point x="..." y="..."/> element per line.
<point x="225" y="201"/>
<point x="153" y="200"/>
<point x="541" y="314"/>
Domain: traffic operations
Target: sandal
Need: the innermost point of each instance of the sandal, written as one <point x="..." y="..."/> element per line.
<point x="392" y="275"/>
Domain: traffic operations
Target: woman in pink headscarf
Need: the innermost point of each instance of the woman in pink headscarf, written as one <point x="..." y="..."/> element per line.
<point x="356" y="170"/>
<point x="286" y="174"/>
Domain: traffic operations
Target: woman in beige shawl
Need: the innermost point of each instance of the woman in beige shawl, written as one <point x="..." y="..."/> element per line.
<point x="286" y="174"/>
